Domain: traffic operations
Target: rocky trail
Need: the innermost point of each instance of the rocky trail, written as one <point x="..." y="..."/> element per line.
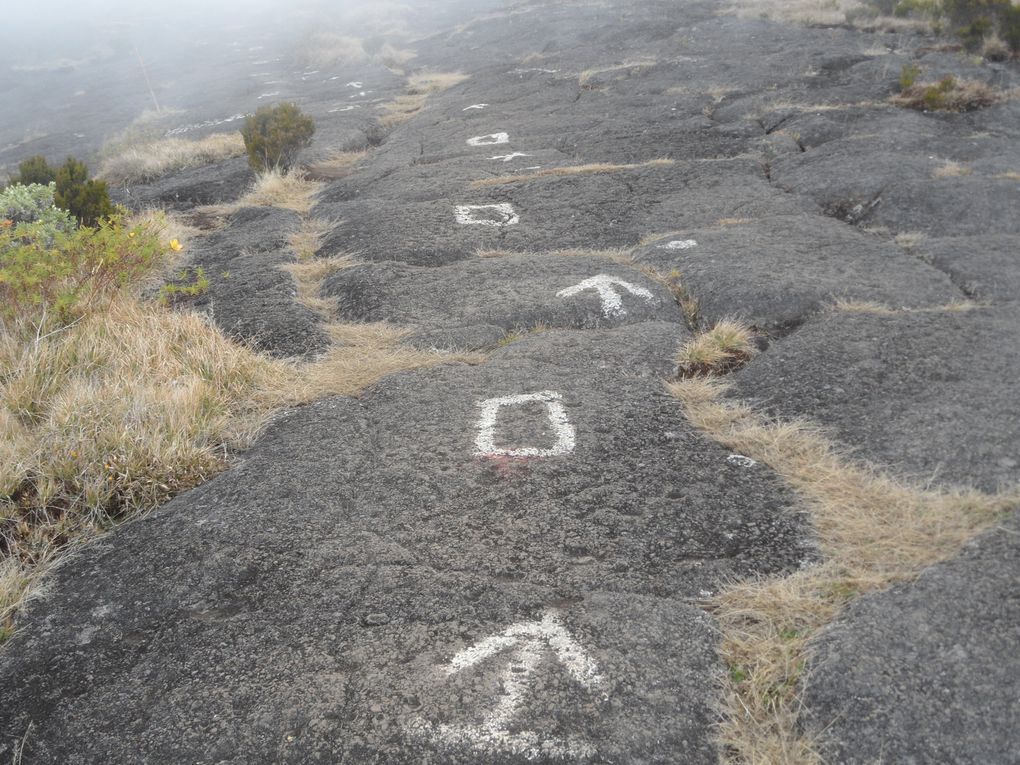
<point x="526" y="557"/>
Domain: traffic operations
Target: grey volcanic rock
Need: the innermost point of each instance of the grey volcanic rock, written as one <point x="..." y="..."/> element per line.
<point x="250" y="296"/>
<point x="583" y="210"/>
<point x="207" y="185"/>
<point x="484" y="298"/>
<point x="926" y="672"/>
<point x="775" y="272"/>
<point x="928" y="395"/>
<point x="305" y="608"/>
<point x="984" y="267"/>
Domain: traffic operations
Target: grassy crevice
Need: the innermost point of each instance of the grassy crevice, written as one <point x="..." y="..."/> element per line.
<point x="873" y="531"/>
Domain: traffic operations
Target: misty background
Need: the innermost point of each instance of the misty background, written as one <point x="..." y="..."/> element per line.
<point x="76" y="76"/>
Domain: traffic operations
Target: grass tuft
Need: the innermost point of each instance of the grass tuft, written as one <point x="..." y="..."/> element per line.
<point x="725" y="347"/>
<point x="419" y="87"/>
<point x="308" y="276"/>
<point x="291" y="190"/>
<point x="950" y="169"/>
<point x="147" y="161"/>
<point x="949" y="95"/>
<point x="307" y="240"/>
<point x="339" y="164"/>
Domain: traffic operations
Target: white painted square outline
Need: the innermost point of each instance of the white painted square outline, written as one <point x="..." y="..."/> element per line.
<point x="485" y="443"/>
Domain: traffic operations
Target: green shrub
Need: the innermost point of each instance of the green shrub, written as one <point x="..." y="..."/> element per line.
<point x="32" y="204"/>
<point x="1009" y="28"/>
<point x="949" y="95"/>
<point x="56" y="278"/>
<point x="974" y="20"/>
<point x="908" y="76"/>
<point x="274" y="135"/>
<point x="35" y="170"/>
<point x="190" y="283"/>
<point x="86" y="200"/>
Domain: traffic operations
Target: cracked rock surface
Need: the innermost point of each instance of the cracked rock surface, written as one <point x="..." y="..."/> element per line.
<point x="510" y="561"/>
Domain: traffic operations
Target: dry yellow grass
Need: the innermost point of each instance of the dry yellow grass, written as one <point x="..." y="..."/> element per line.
<point x="401" y="109"/>
<point x="428" y="82"/>
<point x="734" y="221"/>
<point x="909" y="240"/>
<point x="877" y="309"/>
<point x="419" y="87"/>
<point x="872" y="530"/>
<point x="632" y="67"/>
<point x="950" y="169"/>
<point x="727" y="345"/>
<point x="551" y="172"/>
<point x="307" y="240"/>
<point x="1011" y="175"/>
<point x="950" y="95"/>
<point x="337" y="165"/>
<point x="290" y="191"/>
<point x="827" y="13"/>
<point x="153" y="159"/>
<point x="394" y="58"/>
<point x="308" y="276"/>
<point x="134" y="403"/>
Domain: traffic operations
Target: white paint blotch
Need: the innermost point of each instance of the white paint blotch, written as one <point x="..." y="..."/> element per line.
<point x="489" y="140"/>
<point x="525" y="643"/>
<point x="474" y="106"/>
<point x="485" y="443"/>
<point x="355" y="84"/>
<point x="512" y="155"/>
<point x="741" y="461"/>
<point x="208" y="123"/>
<point x="605" y="285"/>
<point x="678" y="244"/>
<point x="503" y="214"/>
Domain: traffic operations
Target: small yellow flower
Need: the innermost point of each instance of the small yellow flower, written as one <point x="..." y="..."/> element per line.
<point x="175" y="245"/>
<point x="6" y="223"/>
<point x="131" y="235"/>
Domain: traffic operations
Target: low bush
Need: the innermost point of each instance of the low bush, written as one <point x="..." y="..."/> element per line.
<point x="948" y="95"/>
<point x="86" y="200"/>
<point x="45" y="279"/>
<point x="274" y="135"/>
<point x="35" y="170"/>
<point x="28" y="212"/>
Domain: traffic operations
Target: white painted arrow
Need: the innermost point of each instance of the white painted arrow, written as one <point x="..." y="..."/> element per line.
<point x="525" y="644"/>
<point x="605" y="285"/>
<point x="474" y="106"/>
<point x="510" y="156"/>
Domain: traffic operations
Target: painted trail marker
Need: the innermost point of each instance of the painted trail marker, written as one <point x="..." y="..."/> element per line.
<point x="510" y="156"/>
<point x="523" y="647"/>
<point x="606" y="286"/>
<point x="502" y="214"/>
<point x="678" y="244"/>
<point x="474" y="106"/>
<point x="485" y="443"/>
<point x="489" y="140"/>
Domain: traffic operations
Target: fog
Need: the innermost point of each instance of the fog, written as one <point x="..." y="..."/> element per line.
<point x="76" y="74"/>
